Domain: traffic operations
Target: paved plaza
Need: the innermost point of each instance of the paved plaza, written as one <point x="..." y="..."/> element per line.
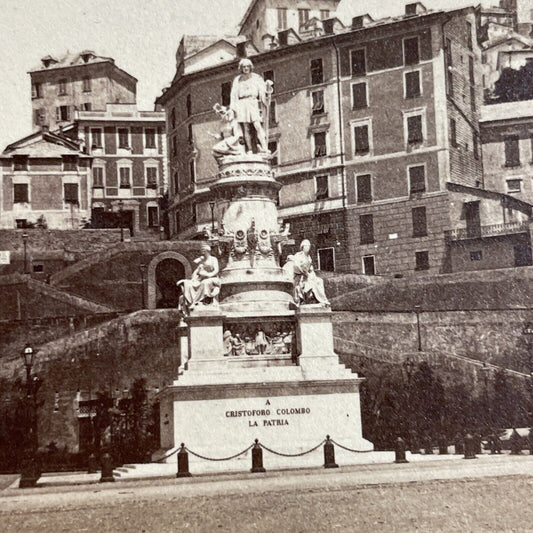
<point x="486" y="494"/>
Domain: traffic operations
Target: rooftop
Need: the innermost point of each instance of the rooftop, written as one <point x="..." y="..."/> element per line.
<point x="506" y="111"/>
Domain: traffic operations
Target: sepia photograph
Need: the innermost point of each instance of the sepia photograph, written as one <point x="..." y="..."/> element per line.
<point x="266" y="266"/>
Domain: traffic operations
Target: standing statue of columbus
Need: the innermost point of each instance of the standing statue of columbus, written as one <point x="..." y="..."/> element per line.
<point x="249" y="93"/>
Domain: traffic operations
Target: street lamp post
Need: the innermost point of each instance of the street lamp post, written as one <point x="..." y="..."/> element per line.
<point x="25" y="244"/>
<point x="212" y="206"/>
<point x="409" y="366"/>
<point x="486" y="371"/>
<point x="30" y="469"/>
<point x="121" y="212"/>
<point x="419" y="337"/>
<point x="143" y="268"/>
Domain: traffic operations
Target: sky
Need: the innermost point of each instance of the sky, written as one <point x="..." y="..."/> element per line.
<point x="141" y="35"/>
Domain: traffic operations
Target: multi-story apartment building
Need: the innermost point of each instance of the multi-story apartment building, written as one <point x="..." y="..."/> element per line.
<point x="507" y="138"/>
<point x="81" y="81"/>
<point x="128" y="175"/>
<point x="374" y="131"/>
<point x="44" y="180"/>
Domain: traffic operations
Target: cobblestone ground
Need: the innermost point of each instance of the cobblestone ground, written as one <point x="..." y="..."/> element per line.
<point x="491" y="504"/>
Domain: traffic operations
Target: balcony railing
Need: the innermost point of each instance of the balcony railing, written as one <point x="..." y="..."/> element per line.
<point x="493" y="230"/>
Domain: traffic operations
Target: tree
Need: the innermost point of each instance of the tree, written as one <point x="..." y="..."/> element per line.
<point x="514" y="85"/>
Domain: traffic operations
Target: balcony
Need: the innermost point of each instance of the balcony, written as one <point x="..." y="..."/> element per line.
<point x="493" y="230"/>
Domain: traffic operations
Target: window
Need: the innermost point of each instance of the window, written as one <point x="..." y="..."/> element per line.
<point x="477" y="255"/>
<point x="320" y="144"/>
<point x="359" y="96"/>
<point x="512" y="151"/>
<point x="98" y="177"/>
<point x="318" y="102"/>
<point x="86" y="106"/>
<point x="324" y="14"/>
<point x="449" y="86"/>
<point x="62" y="87"/>
<point x="326" y="259"/>
<point x="124" y="174"/>
<point x="364" y="188"/>
<point x="20" y="162"/>
<point x="414" y="130"/>
<point x="411" y="53"/>
<point x="178" y="222"/>
<point x="417" y="179"/>
<point x="453" y="132"/>
<point x="317" y="71"/>
<point x="475" y="145"/>
<point x="96" y="138"/>
<point x="173" y="118"/>
<point x="86" y="85"/>
<point x="358" y="62"/>
<point x="268" y="75"/>
<point x="39" y="116"/>
<point x="422" y="260"/>
<point x="174" y="146"/>
<point x="449" y="57"/>
<point x="412" y="84"/>
<point x="322" y="187"/>
<point x="149" y="138"/>
<point x="70" y="192"/>
<point x="282" y="18"/>
<point x="225" y="91"/>
<point x="70" y="163"/>
<point x="514" y="185"/>
<point x="151" y="177"/>
<point x="36" y="90"/>
<point x="361" y="139"/>
<point x="63" y="113"/>
<point x="366" y="229"/>
<point x="469" y="35"/>
<point x="303" y="16"/>
<point x="192" y="171"/>
<point x="471" y="70"/>
<point x="272" y="116"/>
<point x="188" y="105"/>
<point x="153" y="216"/>
<point x="273" y="149"/>
<point x="419" y="222"/>
<point x="176" y="182"/>
<point x="123" y="138"/>
<point x="473" y="98"/>
<point x="20" y="193"/>
<point x="369" y="267"/>
<point x="38" y="268"/>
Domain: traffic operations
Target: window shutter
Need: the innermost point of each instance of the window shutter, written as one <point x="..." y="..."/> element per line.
<point x="361" y="139"/>
<point x="414" y="129"/>
<point x="58" y="114"/>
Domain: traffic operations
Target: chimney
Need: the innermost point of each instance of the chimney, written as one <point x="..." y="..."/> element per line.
<point x="241" y="49"/>
<point x="357" y="22"/>
<point x="45" y="128"/>
<point x="283" y="38"/>
<point x="268" y="41"/>
<point x="416" y="8"/>
<point x="328" y="26"/>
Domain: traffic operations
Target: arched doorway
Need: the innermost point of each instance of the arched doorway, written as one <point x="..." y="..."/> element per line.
<point x="167" y="273"/>
<point x="164" y="271"/>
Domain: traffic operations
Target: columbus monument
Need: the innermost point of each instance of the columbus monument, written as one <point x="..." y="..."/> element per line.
<point x="258" y="359"/>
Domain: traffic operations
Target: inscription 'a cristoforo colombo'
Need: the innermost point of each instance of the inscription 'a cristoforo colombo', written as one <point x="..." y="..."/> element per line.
<point x="268" y="412"/>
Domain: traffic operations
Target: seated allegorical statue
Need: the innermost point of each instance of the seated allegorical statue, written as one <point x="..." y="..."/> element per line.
<point x="230" y="140"/>
<point x="204" y="282"/>
<point x="308" y="287"/>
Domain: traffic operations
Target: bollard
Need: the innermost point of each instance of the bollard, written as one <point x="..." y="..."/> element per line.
<point x="30" y="472"/>
<point x="107" y="469"/>
<point x="399" y="452"/>
<point x="459" y="444"/>
<point x="428" y="447"/>
<point x="329" y="454"/>
<point x="443" y="445"/>
<point x="183" y="462"/>
<point x="469" y="447"/>
<point x="92" y="464"/>
<point x="515" y="442"/>
<point x="257" y="458"/>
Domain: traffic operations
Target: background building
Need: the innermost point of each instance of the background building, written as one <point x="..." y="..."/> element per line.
<point x="128" y="177"/>
<point x="44" y="181"/>
<point x="369" y="127"/>
<point x="80" y="81"/>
